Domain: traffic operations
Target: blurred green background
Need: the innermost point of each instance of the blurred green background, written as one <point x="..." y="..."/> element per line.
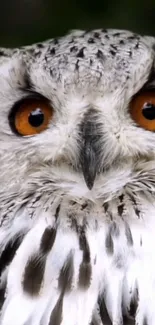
<point x="25" y="21"/>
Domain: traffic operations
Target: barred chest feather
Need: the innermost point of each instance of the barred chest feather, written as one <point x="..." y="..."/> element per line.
<point x="80" y="262"/>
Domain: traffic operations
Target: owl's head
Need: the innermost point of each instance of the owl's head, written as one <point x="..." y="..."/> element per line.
<point x="78" y="114"/>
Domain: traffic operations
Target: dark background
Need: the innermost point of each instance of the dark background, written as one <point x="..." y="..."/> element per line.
<point x="25" y="21"/>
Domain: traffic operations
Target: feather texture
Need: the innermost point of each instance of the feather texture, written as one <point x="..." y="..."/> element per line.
<point x="69" y="254"/>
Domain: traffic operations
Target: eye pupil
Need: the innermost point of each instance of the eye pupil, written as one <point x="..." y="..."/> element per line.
<point x="148" y="111"/>
<point x="36" y="117"/>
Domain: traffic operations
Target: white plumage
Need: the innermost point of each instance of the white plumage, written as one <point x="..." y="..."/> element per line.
<point x="77" y="208"/>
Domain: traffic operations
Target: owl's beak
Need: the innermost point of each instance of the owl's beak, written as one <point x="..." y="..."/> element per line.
<point x="89" y="154"/>
<point x="88" y="164"/>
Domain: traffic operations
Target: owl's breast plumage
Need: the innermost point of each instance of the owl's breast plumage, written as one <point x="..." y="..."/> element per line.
<point x="79" y="255"/>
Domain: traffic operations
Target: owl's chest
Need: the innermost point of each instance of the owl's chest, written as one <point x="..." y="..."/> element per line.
<point x="78" y="253"/>
<point x="114" y="236"/>
<point x="114" y="253"/>
<point x="112" y="240"/>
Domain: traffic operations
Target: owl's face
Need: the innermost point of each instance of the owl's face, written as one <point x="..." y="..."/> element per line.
<point x="72" y="114"/>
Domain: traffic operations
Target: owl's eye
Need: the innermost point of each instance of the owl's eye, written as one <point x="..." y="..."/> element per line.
<point x="30" y="116"/>
<point x="142" y="110"/>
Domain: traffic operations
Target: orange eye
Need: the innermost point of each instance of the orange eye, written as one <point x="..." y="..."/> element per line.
<point x="142" y="109"/>
<point x="30" y="116"/>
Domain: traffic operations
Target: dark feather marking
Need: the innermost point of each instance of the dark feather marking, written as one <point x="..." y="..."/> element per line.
<point x="85" y="267"/>
<point x="84" y="274"/>
<point x="106" y="206"/>
<point x="114" y="47"/>
<point x="84" y="206"/>
<point x="52" y="51"/>
<point x="9" y="252"/>
<point x="27" y="81"/>
<point x="33" y="275"/>
<point x="100" y="55"/>
<point x="137" y="45"/>
<point x="133" y="307"/>
<point x="121" y="198"/>
<point x="66" y="274"/>
<point x="128" y="321"/>
<point x="77" y="65"/>
<point x="104" y="30"/>
<point x="97" y="35"/>
<point x="120" y="209"/>
<point x="73" y="49"/>
<point x="137" y="211"/>
<point x="113" y="53"/>
<point x="121" y="205"/>
<point x="128" y="234"/>
<point x="73" y="203"/>
<point x="2" y="294"/>
<point x="116" y="34"/>
<point x="80" y="54"/>
<point x="74" y="224"/>
<point x="104" y="313"/>
<point x="133" y="200"/>
<point x="56" y="314"/>
<point x="114" y="229"/>
<point x="47" y="240"/>
<point x="57" y="212"/>
<point x="91" y="40"/>
<point x="109" y="243"/>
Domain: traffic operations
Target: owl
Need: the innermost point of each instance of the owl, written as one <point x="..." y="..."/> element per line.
<point x="77" y="180"/>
